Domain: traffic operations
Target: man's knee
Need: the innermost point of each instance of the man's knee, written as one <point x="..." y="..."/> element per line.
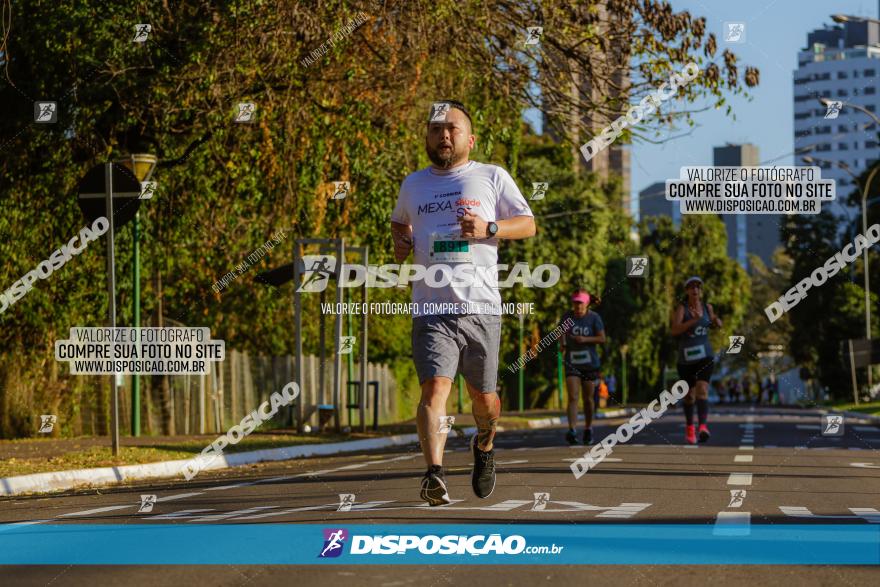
<point x="435" y="391"/>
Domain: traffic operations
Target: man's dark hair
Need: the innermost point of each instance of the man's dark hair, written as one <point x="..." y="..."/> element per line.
<point x="459" y="106"/>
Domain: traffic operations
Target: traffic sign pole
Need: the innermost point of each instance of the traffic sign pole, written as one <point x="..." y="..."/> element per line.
<point x="136" y="315"/>
<point x="111" y="307"/>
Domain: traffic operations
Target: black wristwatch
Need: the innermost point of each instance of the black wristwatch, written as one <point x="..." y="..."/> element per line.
<point x="492" y="230"/>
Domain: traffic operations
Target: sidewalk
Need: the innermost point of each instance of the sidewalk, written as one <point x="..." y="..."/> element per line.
<point x="56" y="464"/>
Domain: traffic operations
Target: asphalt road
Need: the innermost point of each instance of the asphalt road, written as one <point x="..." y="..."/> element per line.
<point x="783" y="470"/>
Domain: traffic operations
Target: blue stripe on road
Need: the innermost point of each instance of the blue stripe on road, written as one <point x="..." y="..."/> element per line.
<point x="581" y="544"/>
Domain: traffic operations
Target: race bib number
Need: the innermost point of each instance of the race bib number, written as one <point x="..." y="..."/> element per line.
<point x="581" y="358"/>
<point x="451" y="247"/>
<point x="694" y="353"/>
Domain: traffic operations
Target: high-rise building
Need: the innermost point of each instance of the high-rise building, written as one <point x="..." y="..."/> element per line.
<point x="840" y="63"/>
<point x="747" y="234"/>
<point x="653" y="203"/>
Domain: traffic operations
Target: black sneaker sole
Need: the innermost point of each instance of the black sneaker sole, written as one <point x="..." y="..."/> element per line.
<point x="704" y="436"/>
<point x="571" y="440"/>
<point x="436" y="493"/>
<point x="474" y="471"/>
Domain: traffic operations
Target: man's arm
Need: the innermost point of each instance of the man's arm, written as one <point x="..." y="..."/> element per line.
<point x="518" y="227"/>
<point x="403" y="242"/>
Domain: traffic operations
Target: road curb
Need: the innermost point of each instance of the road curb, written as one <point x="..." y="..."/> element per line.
<point x="559" y="420"/>
<point x="103" y="476"/>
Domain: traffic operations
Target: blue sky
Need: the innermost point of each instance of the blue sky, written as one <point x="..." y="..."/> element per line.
<point x="775" y="31"/>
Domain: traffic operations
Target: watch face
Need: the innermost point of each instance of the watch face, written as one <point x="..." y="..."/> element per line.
<point x="493" y="228"/>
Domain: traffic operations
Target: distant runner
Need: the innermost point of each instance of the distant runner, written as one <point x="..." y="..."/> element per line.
<point x="690" y="323"/>
<point x="455" y="212"/>
<point x="581" y="362"/>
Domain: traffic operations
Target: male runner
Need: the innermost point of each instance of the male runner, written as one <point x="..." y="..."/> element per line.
<point x="690" y="323"/>
<point x="454" y="213"/>
<point x="581" y="362"/>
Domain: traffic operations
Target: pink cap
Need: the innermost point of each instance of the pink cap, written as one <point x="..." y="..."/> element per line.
<point x="581" y="296"/>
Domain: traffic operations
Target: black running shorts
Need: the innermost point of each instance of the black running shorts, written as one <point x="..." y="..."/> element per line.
<point x="699" y="371"/>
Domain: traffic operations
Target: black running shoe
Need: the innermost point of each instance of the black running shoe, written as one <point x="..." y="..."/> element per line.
<point x="588" y="436"/>
<point x="571" y="437"/>
<point x="434" y="488"/>
<point x="483" y="476"/>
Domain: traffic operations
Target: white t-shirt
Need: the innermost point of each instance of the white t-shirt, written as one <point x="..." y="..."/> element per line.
<point x="431" y="201"/>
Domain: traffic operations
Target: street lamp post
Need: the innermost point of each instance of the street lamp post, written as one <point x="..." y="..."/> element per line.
<point x="624" y="392"/>
<point x="142" y="166"/>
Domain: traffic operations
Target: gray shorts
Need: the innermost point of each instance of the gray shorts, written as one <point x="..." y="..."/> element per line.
<point x="446" y="344"/>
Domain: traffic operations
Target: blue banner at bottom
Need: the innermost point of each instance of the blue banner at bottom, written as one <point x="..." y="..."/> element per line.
<point x="379" y="544"/>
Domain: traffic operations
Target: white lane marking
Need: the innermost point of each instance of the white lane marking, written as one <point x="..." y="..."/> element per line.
<point x="751" y="426"/>
<point x="233" y="486"/>
<point x="97" y="510"/>
<point x="690" y="446"/>
<point x="732" y="524"/>
<point x="870" y="515"/>
<point x="743" y="459"/>
<point x="873" y="429"/>
<point x="179" y="515"/>
<point x="511" y="462"/>
<point x="800" y="447"/>
<point x="739" y="479"/>
<point x="9" y="526"/>
<point x="225" y="515"/>
<point x="865" y="465"/>
<point x="769" y="446"/>
<point x="605" y="460"/>
<point x="743" y="447"/>
<point x="808" y="427"/>
<point x="179" y="496"/>
<point x="112" y="508"/>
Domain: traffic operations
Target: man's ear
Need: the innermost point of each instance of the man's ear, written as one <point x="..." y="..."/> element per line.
<point x="472" y="141"/>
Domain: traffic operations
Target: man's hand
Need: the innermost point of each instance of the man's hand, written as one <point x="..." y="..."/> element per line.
<point x="473" y="226"/>
<point x="403" y="242"/>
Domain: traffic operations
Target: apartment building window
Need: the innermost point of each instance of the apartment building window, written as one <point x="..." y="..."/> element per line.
<point x="842" y="93"/>
<point x="870" y="90"/>
<point x="842" y="147"/>
<point x="870" y="144"/>
<point x="824" y="147"/>
<point x="871" y="107"/>
<point x="869" y="73"/>
<point x="823" y="76"/>
<point x="802" y="115"/>
<point x="841" y="75"/>
<point x="822" y="130"/>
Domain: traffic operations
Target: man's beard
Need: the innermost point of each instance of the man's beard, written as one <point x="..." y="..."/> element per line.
<point x="443" y="160"/>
